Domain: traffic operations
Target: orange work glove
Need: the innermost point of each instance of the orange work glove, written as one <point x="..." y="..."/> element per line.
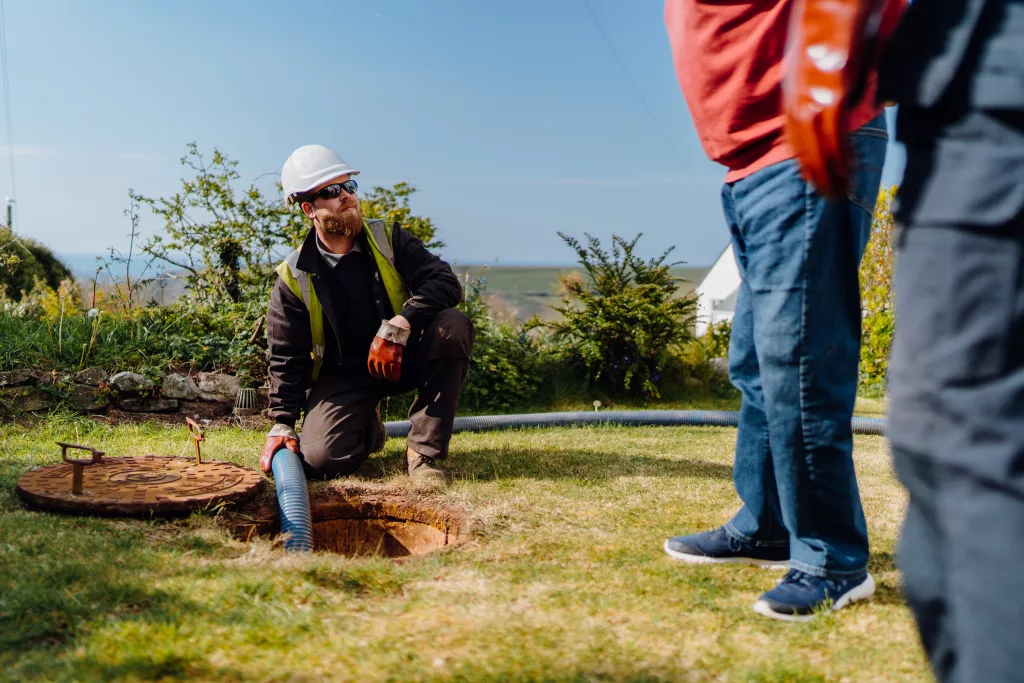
<point x="385" y="359"/>
<point x="281" y="436"/>
<point x="833" y="46"/>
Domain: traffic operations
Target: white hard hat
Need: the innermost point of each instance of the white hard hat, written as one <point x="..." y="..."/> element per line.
<point x="310" y="166"/>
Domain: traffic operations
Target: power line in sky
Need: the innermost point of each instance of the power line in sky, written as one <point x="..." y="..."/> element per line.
<point x="7" y="95"/>
<point x="632" y="83"/>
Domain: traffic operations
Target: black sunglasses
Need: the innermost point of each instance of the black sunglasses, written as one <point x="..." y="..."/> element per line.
<point x="333" y="191"/>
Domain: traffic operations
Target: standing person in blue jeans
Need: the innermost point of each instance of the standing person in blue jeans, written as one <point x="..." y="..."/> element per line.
<point x="796" y="331"/>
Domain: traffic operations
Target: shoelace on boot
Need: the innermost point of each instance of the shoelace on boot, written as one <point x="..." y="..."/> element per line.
<point x="810" y="582"/>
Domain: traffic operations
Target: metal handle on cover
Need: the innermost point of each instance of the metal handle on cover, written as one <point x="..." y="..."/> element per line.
<point x="195" y="432"/>
<point x="78" y="466"/>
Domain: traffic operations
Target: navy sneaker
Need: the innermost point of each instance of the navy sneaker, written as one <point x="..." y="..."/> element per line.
<point x="800" y="596"/>
<point x="718" y="547"/>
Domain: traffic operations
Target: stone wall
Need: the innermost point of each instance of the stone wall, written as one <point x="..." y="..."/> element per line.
<point x="205" y="395"/>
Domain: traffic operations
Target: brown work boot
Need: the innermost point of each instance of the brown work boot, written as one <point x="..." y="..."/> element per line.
<point x="422" y="467"/>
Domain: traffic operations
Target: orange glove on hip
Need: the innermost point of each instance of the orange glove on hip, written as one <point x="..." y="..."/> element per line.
<point x="385" y="359"/>
<point x="833" y="46"/>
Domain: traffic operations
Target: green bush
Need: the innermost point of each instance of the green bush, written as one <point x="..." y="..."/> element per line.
<point x="702" y="378"/>
<point x="145" y="339"/>
<point x="620" y="326"/>
<point x="716" y="339"/>
<point x="879" y="320"/>
<point x="24" y="262"/>
<point x="504" y="370"/>
<point x="225" y="238"/>
<point x="391" y="205"/>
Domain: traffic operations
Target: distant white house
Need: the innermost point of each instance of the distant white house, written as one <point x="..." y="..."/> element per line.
<point x="716" y="294"/>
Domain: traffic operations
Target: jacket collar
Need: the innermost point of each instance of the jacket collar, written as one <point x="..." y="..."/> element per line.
<point x="312" y="261"/>
<point x="309" y="256"/>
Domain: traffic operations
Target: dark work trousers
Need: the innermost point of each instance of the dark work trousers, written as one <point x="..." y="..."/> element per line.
<point x="342" y="426"/>
<point x="957" y="394"/>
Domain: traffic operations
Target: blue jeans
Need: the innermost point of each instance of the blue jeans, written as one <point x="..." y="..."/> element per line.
<point x="794" y="355"/>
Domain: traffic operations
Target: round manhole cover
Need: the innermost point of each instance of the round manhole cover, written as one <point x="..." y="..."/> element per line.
<point x="134" y="485"/>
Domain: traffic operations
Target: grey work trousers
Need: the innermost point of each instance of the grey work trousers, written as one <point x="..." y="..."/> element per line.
<point x="343" y="427"/>
<point x="957" y="399"/>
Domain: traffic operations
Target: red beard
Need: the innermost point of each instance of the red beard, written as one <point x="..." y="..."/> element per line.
<point x="344" y="223"/>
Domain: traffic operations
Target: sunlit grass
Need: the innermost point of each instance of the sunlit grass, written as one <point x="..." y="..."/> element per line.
<point x="565" y="580"/>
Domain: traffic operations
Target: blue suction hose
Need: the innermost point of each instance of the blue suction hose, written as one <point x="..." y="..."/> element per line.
<point x="293" y="501"/>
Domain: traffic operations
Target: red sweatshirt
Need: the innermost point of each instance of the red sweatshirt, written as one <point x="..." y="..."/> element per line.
<point x="728" y="59"/>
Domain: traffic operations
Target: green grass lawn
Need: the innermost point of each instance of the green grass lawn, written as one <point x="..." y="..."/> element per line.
<point x="564" y="579"/>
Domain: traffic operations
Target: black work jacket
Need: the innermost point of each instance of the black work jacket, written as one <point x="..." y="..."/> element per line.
<point x="432" y="286"/>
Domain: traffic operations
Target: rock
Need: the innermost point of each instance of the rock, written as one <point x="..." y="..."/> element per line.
<point x="214" y="386"/>
<point x="148" y="405"/>
<point x="84" y="399"/>
<point x="129" y="383"/>
<point x="204" y="410"/>
<point x="93" y="376"/>
<point x="18" y="400"/>
<point x="721" y="365"/>
<point x="179" y="386"/>
<point x="51" y="379"/>
<point x="16" y="378"/>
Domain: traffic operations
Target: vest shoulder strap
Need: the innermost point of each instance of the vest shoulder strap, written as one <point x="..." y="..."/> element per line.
<point x="301" y="277"/>
<point x="382" y="236"/>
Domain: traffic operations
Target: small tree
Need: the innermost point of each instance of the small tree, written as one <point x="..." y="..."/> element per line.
<point x="227" y="241"/>
<point x="23" y="261"/>
<point x="391" y="205"/>
<point x="877" y="305"/>
<point x="126" y="289"/>
<point x="621" y="322"/>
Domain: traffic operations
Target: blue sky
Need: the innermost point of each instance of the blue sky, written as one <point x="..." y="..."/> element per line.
<point x="514" y="120"/>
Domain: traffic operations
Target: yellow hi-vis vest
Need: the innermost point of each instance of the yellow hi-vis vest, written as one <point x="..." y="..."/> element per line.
<point x="379" y="238"/>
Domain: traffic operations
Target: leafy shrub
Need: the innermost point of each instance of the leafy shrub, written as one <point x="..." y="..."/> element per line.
<point x="620" y="325"/>
<point x="145" y="339"/>
<point x="23" y="262"/>
<point x="879" y="321"/>
<point x="716" y="339"/>
<point x="703" y="378"/>
<point x="504" y="369"/>
<point x="392" y="205"/>
<point x="225" y="238"/>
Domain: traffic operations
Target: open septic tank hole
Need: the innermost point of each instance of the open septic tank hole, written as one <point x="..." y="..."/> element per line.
<point x="381" y="537"/>
<point x="380" y="525"/>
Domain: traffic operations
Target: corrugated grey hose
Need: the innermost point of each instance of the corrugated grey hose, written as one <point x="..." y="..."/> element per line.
<point x="704" y="418"/>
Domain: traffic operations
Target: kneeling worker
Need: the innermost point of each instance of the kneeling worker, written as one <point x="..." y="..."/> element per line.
<point x="360" y="311"/>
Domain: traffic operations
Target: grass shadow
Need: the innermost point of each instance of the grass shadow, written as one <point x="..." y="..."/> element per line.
<point x="489" y="464"/>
